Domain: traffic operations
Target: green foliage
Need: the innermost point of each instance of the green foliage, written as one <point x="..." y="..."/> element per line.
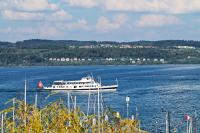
<point x="56" y="118"/>
<point x="38" y="52"/>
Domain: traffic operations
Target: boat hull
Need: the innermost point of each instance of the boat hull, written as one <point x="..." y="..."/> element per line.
<point x="102" y="88"/>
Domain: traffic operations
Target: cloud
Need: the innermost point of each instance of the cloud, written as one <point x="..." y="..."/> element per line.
<point x="28" y="5"/>
<point x="153" y="20"/>
<point x="13" y="15"/>
<point x="132" y="5"/>
<point x="48" y="30"/>
<point x="105" y="25"/>
<point x="158" y="6"/>
<point x="79" y="25"/>
<point x="33" y="10"/>
<point x="59" y="15"/>
<point x="17" y="31"/>
<point x="82" y="3"/>
<point x="153" y="6"/>
<point x="43" y="31"/>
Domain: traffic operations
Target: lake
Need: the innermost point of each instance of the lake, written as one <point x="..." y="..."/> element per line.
<point x="153" y="90"/>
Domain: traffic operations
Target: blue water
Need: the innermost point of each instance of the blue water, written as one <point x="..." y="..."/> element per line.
<point x="152" y="89"/>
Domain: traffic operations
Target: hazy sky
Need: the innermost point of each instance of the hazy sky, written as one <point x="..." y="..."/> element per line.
<point x="116" y="20"/>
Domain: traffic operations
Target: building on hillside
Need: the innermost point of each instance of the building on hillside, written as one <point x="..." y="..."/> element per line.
<point x="162" y="60"/>
<point x="185" y="47"/>
<point x="62" y="59"/>
<point x="155" y="60"/>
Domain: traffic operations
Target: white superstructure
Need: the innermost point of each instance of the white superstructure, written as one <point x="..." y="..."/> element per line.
<point x="85" y="84"/>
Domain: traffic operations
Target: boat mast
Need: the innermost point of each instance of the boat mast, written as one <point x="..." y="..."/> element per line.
<point x="95" y="105"/>
<point x="190" y="125"/>
<point x="127" y="106"/>
<point x="74" y="102"/>
<point x="187" y="127"/>
<point x="36" y="98"/>
<point x="88" y="109"/>
<point x="25" y="88"/>
<point x="68" y="101"/>
<point x="102" y="109"/>
<point x="13" y="114"/>
<point x="167" y="122"/>
<point x="195" y="122"/>
<point x="137" y="112"/>
<point x="2" y="128"/>
<point x="25" y="95"/>
<point x="98" y="104"/>
<point x="92" y="76"/>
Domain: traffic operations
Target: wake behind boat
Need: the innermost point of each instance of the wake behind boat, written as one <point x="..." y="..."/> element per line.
<point x="85" y="84"/>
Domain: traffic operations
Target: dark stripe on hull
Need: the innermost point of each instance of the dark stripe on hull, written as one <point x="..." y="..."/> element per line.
<point x="113" y="88"/>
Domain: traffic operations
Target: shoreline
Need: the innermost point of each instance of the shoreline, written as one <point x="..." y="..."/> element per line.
<point x="25" y="66"/>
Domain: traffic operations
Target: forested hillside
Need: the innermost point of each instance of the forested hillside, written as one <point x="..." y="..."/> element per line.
<point x="72" y="52"/>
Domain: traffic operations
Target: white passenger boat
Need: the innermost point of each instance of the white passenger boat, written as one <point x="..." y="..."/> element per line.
<point x="85" y="84"/>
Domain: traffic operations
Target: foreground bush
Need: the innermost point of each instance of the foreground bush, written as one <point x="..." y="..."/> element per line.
<point x="57" y="118"/>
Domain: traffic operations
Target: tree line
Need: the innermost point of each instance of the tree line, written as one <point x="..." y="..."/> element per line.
<point x="38" y="52"/>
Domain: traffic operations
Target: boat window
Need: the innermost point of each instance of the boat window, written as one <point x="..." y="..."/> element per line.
<point x="58" y="83"/>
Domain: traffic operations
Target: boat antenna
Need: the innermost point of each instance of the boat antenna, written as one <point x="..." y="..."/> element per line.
<point x="117" y="81"/>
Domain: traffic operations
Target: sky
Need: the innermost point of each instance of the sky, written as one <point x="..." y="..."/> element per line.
<point x="100" y="20"/>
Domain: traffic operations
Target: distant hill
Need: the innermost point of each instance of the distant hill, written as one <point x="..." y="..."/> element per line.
<point x="74" y="52"/>
<point x="39" y="43"/>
